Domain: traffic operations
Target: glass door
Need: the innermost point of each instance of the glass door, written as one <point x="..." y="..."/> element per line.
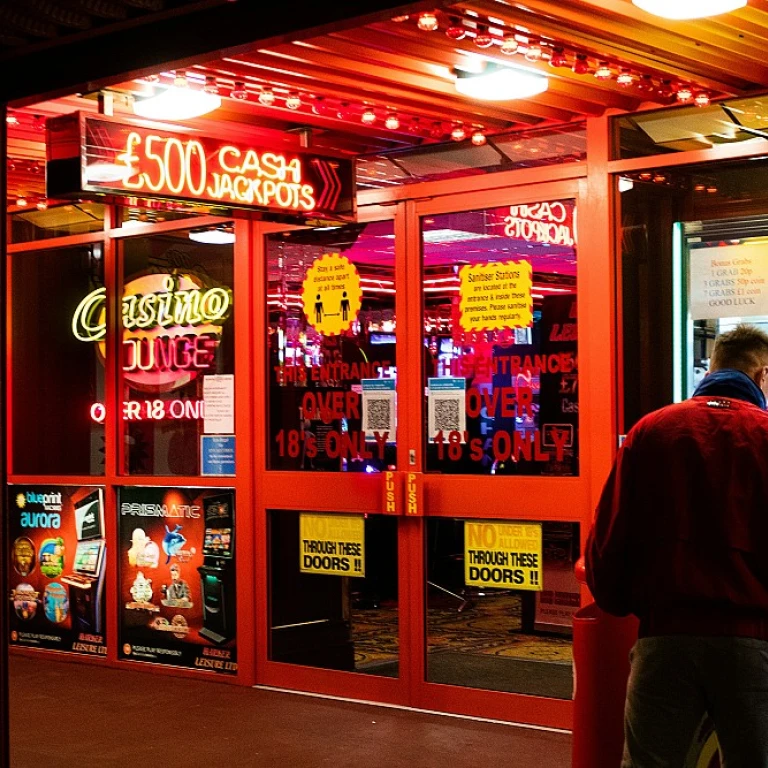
<point x="331" y="603"/>
<point x="504" y="483"/>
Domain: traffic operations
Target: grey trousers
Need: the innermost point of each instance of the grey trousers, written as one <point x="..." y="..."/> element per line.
<point x="676" y="680"/>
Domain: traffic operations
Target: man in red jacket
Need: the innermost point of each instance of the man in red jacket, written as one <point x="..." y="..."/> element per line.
<point x="680" y="539"/>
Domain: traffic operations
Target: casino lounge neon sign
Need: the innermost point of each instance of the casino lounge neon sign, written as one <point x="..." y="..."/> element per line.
<point x="545" y="223"/>
<point x="172" y="327"/>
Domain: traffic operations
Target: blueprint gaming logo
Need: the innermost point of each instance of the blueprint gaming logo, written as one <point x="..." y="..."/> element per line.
<point x="51" y="504"/>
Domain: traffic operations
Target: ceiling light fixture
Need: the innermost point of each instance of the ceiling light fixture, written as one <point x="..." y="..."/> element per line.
<point x="498" y="83"/>
<point x="176" y="104"/>
<point x="688" y="9"/>
<point x="368" y="117"/>
<point x="213" y="236"/>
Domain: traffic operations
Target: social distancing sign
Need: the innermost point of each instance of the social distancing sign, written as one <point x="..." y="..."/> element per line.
<point x="332" y="544"/>
<point x="503" y="555"/>
<point x="331" y="294"/>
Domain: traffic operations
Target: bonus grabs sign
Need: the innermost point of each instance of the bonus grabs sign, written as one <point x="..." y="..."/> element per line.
<point x="172" y="326"/>
<point x="89" y="154"/>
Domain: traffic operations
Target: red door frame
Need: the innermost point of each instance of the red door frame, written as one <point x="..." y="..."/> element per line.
<point x="445" y="496"/>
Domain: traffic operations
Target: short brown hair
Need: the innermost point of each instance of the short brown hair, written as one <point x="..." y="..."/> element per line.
<point x="745" y="348"/>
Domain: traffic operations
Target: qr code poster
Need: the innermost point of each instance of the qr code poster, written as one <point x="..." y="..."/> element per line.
<point x="379" y="408"/>
<point x="447" y="407"/>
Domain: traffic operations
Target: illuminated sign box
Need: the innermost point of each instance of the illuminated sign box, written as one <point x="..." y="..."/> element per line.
<point x="97" y="155"/>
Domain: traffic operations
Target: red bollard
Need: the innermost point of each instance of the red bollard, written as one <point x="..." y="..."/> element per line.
<point x="601" y="646"/>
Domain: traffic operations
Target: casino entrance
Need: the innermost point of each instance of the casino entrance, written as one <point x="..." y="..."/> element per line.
<point x="337" y="383"/>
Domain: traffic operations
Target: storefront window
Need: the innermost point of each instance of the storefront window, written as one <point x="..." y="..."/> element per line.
<point x="681" y="129"/>
<point x="56" y="376"/>
<point x="500" y="340"/>
<point x="500" y="602"/>
<point x="331" y="346"/>
<point x="664" y="211"/>
<point x="178" y="356"/>
<point x="334" y="593"/>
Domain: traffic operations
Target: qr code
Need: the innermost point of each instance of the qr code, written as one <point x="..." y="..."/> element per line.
<point x="446" y="414"/>
<point x="378" y="415"/>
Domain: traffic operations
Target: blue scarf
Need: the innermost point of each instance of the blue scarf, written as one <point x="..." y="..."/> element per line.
<point x="731" y="383"/>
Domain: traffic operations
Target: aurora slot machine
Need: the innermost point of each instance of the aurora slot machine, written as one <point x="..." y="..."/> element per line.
<point x="86" y="581"/>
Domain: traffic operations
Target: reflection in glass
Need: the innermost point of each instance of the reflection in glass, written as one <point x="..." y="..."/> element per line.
<point x="334" y="621"/>
<point x="500" y="340"/>
<point x="332" y="349"/>
<point x="177" y="348"/>
<point x="501" y="639"/>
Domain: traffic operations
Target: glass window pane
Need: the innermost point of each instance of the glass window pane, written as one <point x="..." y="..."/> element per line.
<point x="56" y="221"/>
<point x="500" y="340"/>
<point x="319" y="615"/>
<point x="57" y="371"/>
<point x="177" y="350"/>
<point x="500" y="638"/>
<point x="331" y="346"/>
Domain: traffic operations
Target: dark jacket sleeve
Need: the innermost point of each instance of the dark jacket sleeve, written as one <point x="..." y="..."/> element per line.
<point x="608" y="554"/>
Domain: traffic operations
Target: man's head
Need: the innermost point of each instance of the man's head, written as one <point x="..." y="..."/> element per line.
<point x="744" y="349"/>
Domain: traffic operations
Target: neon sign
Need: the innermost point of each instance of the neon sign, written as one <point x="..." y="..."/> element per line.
<point x="172" y="327"/>
<point x="153" y="410"/>
<point x="118" y="158"/>
<point x="546" y="223"/>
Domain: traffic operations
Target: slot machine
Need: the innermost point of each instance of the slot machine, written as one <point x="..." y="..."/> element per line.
<point x="86" y="581"/>
<point x="217" y="573"/>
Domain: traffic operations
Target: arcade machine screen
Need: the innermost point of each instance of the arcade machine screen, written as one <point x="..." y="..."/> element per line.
<point x="217" y="573"/>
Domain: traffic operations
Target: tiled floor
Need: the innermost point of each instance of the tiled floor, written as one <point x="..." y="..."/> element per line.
<point x="68" y="715"/>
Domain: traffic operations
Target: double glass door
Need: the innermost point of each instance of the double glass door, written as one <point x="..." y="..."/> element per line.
<point x="422" y="487"/>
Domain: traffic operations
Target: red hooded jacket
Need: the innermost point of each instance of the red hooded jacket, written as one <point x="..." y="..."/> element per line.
<point x="680" y="537"/>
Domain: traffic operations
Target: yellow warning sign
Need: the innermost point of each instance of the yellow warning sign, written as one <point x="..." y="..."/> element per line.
<point x="332" y="294"/>
<point x="506" y="555"/>
<point x="496" y="296"/>
<point x="332" y="544"/>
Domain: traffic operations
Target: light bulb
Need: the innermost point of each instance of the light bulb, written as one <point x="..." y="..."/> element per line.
<point x="684" y="93"/>
<point x="458" y="133"/>
<point x="478" y="138"/>
<point x="210" y="85"/>
<point x="701" y="99"/>
<point x="427" y="22"/>
<point x="239" y="92"/>
<point x="368" y="117"/>
<point x="625" y="78"/>
<point x="509" y="46"/>
<point x="533" y="53"/>
<point x="456" y="30"/>
<point x="392" y="121"/>
<point x="267" y="97"/>
<point x="603" y="71"/>
<point x="293" y="101"/>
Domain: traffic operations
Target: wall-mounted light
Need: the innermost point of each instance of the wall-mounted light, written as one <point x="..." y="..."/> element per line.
<point x="498" y="83"/>
<point x="688" y="9"/>
<point x="176" y="104"/>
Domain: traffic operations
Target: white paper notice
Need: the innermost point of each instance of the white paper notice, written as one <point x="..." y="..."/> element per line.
<point x="729" y="281"/>
<point x="219" y="396"/>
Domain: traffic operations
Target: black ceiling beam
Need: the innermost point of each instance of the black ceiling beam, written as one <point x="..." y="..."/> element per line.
<point x="93" y="60"/>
